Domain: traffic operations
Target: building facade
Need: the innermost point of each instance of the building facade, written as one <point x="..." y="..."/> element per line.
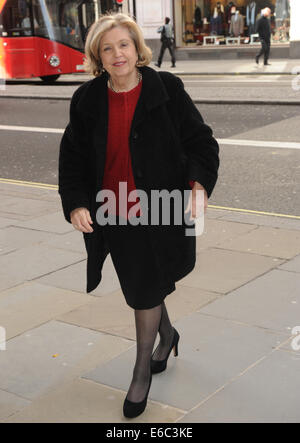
<point x="205" y="26"/>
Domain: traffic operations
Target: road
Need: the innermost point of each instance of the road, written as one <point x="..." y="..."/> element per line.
<point x="251" y="176"/>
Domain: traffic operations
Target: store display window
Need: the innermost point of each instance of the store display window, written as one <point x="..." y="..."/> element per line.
<point x="202" y="22"/>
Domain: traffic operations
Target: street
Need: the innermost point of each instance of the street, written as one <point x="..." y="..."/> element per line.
<point x="250" y="177"/>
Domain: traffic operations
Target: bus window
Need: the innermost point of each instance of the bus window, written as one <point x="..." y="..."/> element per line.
<point x="15" y="19"/>
<point x="65" y="21"/>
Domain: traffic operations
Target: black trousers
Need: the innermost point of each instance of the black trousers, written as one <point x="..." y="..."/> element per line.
<point x="166" y="44"/>
<point x="265" y="50"/>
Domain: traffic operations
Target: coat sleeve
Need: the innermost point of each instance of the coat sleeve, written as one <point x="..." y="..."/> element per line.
<point x="199" y="145"/>
<point x="258" y="27"/>
<point x="72" y="177"/>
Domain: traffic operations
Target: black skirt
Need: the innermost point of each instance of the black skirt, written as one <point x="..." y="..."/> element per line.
<point x="142" y="281"/>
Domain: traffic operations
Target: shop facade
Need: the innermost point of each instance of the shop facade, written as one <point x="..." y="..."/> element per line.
<point x="208" y="26"/>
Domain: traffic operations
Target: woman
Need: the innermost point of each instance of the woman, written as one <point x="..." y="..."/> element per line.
<point x="134" y="125"/>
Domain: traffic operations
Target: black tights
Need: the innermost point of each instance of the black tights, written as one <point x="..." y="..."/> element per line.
<point x="148" y="322"/>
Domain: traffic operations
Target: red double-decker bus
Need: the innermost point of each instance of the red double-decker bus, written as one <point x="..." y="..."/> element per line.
<point x="45" y="38"/>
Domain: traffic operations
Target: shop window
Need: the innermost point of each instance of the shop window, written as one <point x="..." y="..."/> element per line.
<point x="235" y="19"/>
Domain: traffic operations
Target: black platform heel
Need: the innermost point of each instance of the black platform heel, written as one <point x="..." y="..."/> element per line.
<point x="161" y="365"/>
<point x="133" y="409"/>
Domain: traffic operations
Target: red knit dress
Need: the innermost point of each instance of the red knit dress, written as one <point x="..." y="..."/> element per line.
<point x="118" y="168"/>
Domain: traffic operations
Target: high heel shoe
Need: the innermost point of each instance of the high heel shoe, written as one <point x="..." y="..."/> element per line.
<point x="133" y="409"/>
<point x="161" y="365"/>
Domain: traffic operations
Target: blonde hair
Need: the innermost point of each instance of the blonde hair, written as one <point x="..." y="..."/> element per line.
<point x="93" y="64"/>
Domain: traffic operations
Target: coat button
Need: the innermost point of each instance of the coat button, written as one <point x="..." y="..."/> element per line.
<point x="135" y="135"/>
<point x="139" y="173"/>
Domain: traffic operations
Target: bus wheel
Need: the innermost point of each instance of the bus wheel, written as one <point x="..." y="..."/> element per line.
<point x="50" y="78"/>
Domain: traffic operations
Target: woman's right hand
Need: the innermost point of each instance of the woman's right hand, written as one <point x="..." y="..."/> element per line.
<point x="81" y="220"/>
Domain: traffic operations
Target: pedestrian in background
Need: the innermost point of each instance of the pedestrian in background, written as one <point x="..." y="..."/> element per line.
<point x="264" y="31"/>
<point x="166" y="42"/>
<point x="133" y="124"/>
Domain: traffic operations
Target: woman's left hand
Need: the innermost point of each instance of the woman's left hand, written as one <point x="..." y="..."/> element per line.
<point x="197" y="206"/>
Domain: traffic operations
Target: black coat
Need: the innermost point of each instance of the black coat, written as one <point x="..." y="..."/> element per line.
<point x="263" y="28"/>
<point x="169" y="145"/>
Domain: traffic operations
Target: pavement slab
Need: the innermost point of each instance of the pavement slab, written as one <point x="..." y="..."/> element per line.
<point x="267" y="393"/>
<point x="83" y="401"/>
<point x="73" y="277"/>
<point x="213" y="213"/>
<point x="216" y="231"/>
<point x="221" y="270"/>
<point x="12" y="238"/>
<point x="31" y="304"/>
<point x="271" y="301"/>
<point x="5" y="221"/>
<point x="273" y="242"/>
<point x="262" y="219"/>
<point x="32" y="262"/>
<point x="51" y="222"/>
<point x="51" y="354"/>
<point x="10" y="404"/>
<point x="291" y="265"/>
<point x="206" y="342"/>
<point x="70" y="241"/>
<point x="12" y="207"/>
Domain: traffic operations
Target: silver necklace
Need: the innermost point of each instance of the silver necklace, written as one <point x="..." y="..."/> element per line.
<point x="139" y="76"/>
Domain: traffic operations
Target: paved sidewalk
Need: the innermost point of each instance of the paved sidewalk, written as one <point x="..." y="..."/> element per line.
<point x="69" y="355"/>
<point x="233" y="67"/>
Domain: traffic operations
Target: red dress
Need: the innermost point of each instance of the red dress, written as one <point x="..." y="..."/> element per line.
<point x="118" y="167"/>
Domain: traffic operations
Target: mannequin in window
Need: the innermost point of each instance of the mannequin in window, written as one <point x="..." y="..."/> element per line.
<point x="206" y="10"/>
<point x="251" y="13"/>
<point x="282" y="13"/>
<point x="217" y="19"/>
<point x="237" y="24"/>
<point x="228" y="16"/>
<point x="282" y="9"/>
<point x="197" y="19"/>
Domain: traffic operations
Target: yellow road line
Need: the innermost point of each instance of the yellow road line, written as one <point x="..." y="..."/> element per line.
<point x="55" y="187"/>
<point x="251" y="211"/>
<point x="30" y="184"/>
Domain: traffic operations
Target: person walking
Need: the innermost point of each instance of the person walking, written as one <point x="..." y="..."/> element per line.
<point x="166" y="39"/>
<point x="264" y="31"/>
<point x="133" y="124"/>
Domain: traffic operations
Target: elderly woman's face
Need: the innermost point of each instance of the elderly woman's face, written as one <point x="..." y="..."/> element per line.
<point x="117" y="51"/>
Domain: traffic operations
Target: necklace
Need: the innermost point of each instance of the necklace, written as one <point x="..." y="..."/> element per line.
<point x="139" y="76"/>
